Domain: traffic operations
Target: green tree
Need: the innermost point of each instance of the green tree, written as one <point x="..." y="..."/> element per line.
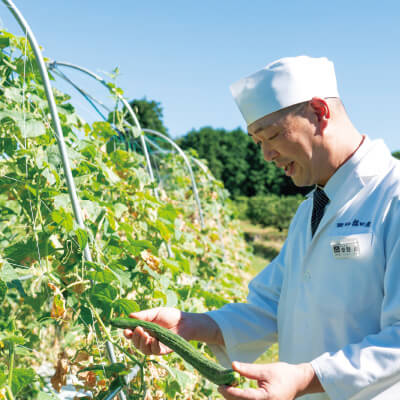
<point x="149" y="114"/>
<point x="396" y="154"/>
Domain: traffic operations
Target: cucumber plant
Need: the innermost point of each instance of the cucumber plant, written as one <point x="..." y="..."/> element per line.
<point x="56" y="307"/>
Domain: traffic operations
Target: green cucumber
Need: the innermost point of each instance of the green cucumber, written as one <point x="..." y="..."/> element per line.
<point x="208" y="368"/>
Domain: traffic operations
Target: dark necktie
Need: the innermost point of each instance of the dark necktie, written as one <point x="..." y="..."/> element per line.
<point x="319" y="203"/>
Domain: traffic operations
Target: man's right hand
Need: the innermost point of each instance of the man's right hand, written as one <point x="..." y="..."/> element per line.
<point x="190" y="326"/>
<point x="169" y="318"/>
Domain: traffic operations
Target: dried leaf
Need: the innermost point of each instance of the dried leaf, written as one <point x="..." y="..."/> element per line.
<point x="59" y="379"/>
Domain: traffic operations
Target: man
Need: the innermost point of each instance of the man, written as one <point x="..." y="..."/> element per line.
<point x="331" y="297"/>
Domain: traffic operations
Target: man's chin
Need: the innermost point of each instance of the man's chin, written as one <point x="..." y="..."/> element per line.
<point x="300" y="184"/>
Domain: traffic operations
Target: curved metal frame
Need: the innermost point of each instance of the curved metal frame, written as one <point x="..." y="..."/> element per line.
<point x="53" y="64"/>
<point x="57" y="127"/>
<point x="90" y="99"/>
<point x="54" y="116"/>
<point x="180" y="151"/>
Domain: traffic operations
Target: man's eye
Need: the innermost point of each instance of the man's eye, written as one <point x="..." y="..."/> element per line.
<point x="274" y="136"/>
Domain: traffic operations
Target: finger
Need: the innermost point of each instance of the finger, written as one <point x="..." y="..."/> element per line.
<point x="138" y="338"/>
<point x="145" y="343"/>
<point x="251" y="371"/>
<point x="232" y="393"/>
<point x="128" y="333"/>
<point x="155" y="347"/>
<point x="146" y="315"/>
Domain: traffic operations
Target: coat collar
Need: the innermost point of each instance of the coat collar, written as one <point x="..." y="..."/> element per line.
<point x="369" y="162"/>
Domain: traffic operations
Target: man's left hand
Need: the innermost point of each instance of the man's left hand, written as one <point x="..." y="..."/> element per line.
<point x="276" y="381"/>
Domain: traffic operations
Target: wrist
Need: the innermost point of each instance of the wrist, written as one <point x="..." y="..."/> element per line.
<point x="201" y="327"/>
<point x="308" y="382"/>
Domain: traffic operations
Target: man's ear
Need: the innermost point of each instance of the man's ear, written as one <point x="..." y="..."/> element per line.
<point x="321" y="110"/>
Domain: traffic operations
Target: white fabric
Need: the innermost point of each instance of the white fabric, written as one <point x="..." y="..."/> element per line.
<point x="283" y="83"/>
<point x="341" y="314"/>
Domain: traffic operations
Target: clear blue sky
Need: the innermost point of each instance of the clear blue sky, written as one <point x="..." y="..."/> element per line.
<point x="186" y="53"/>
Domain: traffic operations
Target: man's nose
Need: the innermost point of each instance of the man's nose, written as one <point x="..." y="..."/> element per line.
<point x="269" y="153"/>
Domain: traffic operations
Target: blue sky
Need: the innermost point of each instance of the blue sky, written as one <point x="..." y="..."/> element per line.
<point x="186" y="53"/>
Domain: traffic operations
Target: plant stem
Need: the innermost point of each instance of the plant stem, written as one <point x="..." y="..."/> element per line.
<point x="9" y="393"/>
<point x="99" y="320"/>
<point x="11" y="364"/>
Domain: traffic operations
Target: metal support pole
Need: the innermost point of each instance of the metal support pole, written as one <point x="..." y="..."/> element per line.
<point x="125" y="103"/>
<point x="54" y="64"/>
<point x="55" y="119"/>
<point x="185" y="159"/>
<point x="54" y="115"/>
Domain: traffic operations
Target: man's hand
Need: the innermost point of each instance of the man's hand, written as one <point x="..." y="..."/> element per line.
<point x="277" y="381"/>
<point x="190" y="326"/>
<point x="169" y="318"/>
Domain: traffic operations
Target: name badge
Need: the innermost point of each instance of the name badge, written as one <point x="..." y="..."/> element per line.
<point x="345" y="248"/>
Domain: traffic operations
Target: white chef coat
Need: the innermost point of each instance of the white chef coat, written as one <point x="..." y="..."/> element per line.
<point x="333" y="299"/>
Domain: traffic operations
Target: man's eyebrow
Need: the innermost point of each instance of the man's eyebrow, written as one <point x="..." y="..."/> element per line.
<point x="255" y="132"/>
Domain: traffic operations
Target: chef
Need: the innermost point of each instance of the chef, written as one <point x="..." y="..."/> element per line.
<point x="331" y="298"/>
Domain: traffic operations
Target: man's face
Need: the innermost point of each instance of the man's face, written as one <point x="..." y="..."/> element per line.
<point x="288" y="140"/>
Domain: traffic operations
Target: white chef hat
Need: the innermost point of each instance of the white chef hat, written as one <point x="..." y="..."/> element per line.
<point x="283" y="83"/>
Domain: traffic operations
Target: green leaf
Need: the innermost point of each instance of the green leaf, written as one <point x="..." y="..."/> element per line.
<point x="173" y="265"/>
<point x="27" y="251"/>
<point x="115" y="368"/>
<point x="86" y="316"/>
<point x="4" y="42"/>
<point x="63" y="218"/>
<point x="33" y="128"/>
<point x="92" y="209"/>
<point x="62" y="201"/>
<point x="103" y="294"/>
<point x="165" y="232"/>
<point x="125" y="306"/>
<point x="137" y="246"/>
<point x="82" y="237"/>
<point x="117" y="382"/>
<point x="104" y="276"/>
<point x="22" y="377"/>
<point x="136" y="132"/>
<point x="158" y="294"/>
<point x="46" y="396"/>
<point x="172" y="299"/>
<point x="3" y="375"/>
<point x="213" y="300"/>
<point x="8" y="273"/>
<point x="3" y="291"/>
<point x="119" y="209"/>
<point x="103" y="129"/>
<point x="184" y="263"/>
<point x="13" y="94"/>
<point x="168" y="212"/>
<point x="12" y="339"/>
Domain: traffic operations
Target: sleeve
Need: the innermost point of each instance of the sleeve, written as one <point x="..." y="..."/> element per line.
<point x="250" y="328"/>
<point x="371" y="369"/>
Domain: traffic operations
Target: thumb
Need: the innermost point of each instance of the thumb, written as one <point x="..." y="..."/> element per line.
<point x="251" y="371"/>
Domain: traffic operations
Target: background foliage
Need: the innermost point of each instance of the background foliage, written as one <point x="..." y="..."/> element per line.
<point x="149" y="113"/>
<point x="55" y="305"/>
